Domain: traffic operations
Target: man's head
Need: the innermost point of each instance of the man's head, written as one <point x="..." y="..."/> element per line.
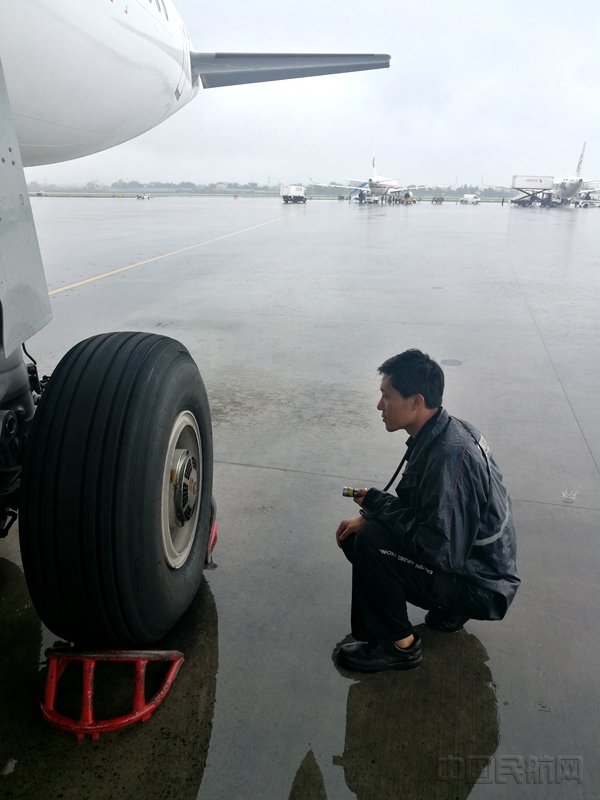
<point x="412" y="385"/>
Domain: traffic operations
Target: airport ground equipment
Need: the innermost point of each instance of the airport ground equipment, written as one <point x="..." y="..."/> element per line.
<point x="141" y="709"/>
<point x="112" y="474"/>
<point x="549" y="192"/>
<point x="534" y="189"/>
<point x="587" y="200"/>
<point x="292" y="193"/>
<point x="470" y="199"/>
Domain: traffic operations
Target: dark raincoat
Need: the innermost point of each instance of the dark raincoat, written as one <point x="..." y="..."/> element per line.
<point x="453" y="513"/>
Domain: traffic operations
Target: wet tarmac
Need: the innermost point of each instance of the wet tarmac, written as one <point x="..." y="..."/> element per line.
<point x="288" y="312"/>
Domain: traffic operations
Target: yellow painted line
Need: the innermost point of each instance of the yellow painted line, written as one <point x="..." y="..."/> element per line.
<point x="164" y="255"/>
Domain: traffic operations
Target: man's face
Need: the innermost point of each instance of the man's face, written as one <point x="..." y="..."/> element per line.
<point x="397" y="411"/>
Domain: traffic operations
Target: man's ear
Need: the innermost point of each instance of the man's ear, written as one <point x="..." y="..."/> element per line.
<point x="418" y="402"/>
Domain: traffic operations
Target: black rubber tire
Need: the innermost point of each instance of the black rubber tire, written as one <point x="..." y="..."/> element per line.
<point x="91" y="491"/>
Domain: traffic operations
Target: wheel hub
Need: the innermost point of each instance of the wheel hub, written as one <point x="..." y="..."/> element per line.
<point x="185" y="485"/>
<point x="182" y="489"/>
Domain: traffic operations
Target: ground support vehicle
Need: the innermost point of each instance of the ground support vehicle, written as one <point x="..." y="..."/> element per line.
<point x="293" y="193"/>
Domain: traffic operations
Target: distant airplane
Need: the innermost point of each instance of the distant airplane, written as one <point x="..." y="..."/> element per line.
<point x="377" y="187"/>
<point x="549" y="192"/>
<point x="569" y="188"/>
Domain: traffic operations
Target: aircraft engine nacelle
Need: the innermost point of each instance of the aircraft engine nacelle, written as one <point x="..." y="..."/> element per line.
<point x="570" y="186"/>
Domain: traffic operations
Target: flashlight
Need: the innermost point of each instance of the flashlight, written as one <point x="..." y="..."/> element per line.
<point x="348" y="491"/>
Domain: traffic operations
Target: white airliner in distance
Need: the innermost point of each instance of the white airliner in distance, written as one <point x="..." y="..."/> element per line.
<point x="562" y="192"/>
<point x="378" y="187"/>
<point x="568" y="189"/>
<point x="86" y="75"/>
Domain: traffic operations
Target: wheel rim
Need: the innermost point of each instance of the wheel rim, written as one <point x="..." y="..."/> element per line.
<point x="182" y="482"/>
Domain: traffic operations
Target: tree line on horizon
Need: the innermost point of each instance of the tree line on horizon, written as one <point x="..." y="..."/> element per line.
<point x="138" y="186"/>
<point x="229" y="187"/>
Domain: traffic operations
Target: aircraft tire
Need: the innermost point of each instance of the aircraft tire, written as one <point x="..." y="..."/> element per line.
<point x="113" y="544"/>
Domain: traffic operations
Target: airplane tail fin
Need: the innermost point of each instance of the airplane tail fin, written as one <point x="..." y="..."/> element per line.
<point x="580" y="161"/>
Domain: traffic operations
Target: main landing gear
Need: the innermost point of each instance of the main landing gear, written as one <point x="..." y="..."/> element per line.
<point x="116" y="491"/>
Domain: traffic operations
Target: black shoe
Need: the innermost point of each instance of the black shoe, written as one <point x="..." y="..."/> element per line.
<point x="441" y="620"/>
<point x="378" y="656"/>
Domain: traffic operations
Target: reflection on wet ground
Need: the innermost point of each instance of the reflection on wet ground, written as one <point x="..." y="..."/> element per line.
<point x="161" y="758"/>
<point x="308" y="783"/>
<point x="397" y="725"/>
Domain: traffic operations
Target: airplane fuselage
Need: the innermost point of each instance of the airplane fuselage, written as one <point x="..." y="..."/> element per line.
<point x="381" y="186"/>
<point x="84" y="76"/>
<point x="568" y="188"/>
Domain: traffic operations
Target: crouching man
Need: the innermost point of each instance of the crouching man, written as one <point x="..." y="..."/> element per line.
<point x="445" y="543"/>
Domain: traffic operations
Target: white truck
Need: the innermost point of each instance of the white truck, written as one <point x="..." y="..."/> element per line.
<point x="293" y="193"/>
<point x="469" y="199"/>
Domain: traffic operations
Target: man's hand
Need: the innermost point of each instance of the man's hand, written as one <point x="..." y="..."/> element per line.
<point x="359" y="496"/>
<point x="348" y="526"/>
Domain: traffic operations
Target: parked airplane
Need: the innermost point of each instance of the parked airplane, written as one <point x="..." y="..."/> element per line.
<point x="568" y="189"/>
<point x="378" y="187"/>
<point x="548" y="192"/>
<point x="109" y="461"/>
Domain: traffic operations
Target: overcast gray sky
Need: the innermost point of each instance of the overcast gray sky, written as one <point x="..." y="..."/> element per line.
<point x="492" y="87"/>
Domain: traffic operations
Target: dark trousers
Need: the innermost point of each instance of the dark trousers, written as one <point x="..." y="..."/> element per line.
<point x="384" y="580"/>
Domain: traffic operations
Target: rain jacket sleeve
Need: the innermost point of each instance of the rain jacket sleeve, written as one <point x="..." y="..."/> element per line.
<point x="437" y="512"/>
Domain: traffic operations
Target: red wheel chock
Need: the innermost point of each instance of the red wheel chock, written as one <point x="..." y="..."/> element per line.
<point x="212" y="539"/>
<point x="141" y="710"/>
<point x="212" y="536"/>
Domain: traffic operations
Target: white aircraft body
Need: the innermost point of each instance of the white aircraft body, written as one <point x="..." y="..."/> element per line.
<point x="568" y="189"/>
<point x="84" y="76"/>
<point x="563" y="191"/>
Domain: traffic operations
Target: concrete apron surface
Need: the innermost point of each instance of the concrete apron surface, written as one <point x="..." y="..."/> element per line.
<point x="288" y="312"/>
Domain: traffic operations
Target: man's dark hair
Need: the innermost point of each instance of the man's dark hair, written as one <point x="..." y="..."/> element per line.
<point x="413" y="372"/>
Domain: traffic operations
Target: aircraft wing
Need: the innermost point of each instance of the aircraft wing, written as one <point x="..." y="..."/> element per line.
<point x="341" y="186"/>
<point x="495" y="185"/>
<point x="418" y="188"/>
<point x="231" y="69"/>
